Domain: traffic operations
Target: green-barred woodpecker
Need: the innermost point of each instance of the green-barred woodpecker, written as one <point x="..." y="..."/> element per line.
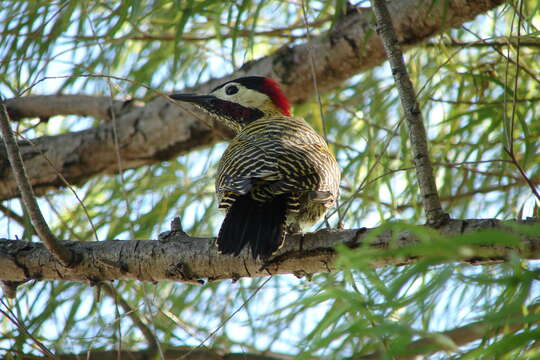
<point x="276" y="175"/>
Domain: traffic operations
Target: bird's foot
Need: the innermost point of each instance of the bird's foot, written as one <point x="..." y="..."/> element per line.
<point x="293" y="228"/>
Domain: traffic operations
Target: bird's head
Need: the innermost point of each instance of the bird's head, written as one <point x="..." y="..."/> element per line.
<point x="240" y="102"/>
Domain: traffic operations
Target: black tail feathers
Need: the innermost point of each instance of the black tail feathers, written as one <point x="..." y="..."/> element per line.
<point x="262" y="225"/>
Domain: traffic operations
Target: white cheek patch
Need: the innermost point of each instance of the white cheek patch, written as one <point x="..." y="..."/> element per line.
<point x="251" y="98"/>
<point x="245" y="96"/>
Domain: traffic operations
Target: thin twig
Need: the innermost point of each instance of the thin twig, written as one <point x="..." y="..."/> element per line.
<point x="529" y="182"/>
<point x="285" y="32"/>
<point x="228" y="318"/>
<point x="66" y="183"/>
<point x="348" y="203"/>
<point x="508" y="129"/>
<point x="63" y="254"/>
<point x="195" y="332"/>
<point x="312" y="67"/>
<point x="147" y="333"/>
<point x="529" y="72"/>
<point x="530" y="42"/>
<point x="318" y="95"/>
<point x="158" y="349"/>
<point x="115" y="139"/>
<point x="467" y="102"/>
<point x="8" y="314"/>
<point x="65" y="225"/>
<point x="516" y="80"/>
<point x="12" y="215"/>
<point x="509" y="149"/>
<point x="417" y="132"/>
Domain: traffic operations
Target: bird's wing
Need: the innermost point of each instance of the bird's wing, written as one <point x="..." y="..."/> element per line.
<point x="277" y="161"/>
<point x="247" y="161"/>
<point x="306" y="168"/>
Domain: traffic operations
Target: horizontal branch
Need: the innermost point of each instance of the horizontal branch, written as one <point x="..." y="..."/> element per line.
<point x="529" y="42"/>
<point x="161" y="130"/>
<point x="46" y="106"/>
<point x="179" y="257"/>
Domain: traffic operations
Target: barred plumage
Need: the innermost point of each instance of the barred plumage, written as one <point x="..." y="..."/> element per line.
<point x="278" y="155"/>
<point x="276" y="173"/>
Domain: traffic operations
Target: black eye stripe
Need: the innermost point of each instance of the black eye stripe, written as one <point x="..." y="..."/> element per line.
<point x="230" y="90"/>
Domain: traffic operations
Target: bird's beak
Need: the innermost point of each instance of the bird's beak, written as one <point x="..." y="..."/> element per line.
<point x="193" y="98"/>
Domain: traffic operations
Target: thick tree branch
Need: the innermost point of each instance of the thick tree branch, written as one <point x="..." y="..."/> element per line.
<point x="178" y="257"/>
<point x="46" y="106"/>
<point x="417" y="132"/>
<point x="161" y="130"/>
<point x="66" y="257"/>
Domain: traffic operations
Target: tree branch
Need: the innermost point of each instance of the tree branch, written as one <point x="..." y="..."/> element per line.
<point x="12" y="215"/>
<point x="512" y="41"/>
<point x="162" y="130"/>
<point x="64" y="255"/>
<point x="417" y="132"/>
<point x="46" y="106"/>
<point x="179" y="257"/>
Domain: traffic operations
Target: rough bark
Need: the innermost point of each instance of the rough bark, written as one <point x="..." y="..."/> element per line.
<point x="179" y="257"/>
<point x="161" y="130"/>
<point x="46" y="106"/>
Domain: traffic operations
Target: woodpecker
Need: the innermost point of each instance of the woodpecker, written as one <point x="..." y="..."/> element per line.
<point x="277" y="174"/>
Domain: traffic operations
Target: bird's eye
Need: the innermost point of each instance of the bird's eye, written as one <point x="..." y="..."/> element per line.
<point x="230" y="90"/>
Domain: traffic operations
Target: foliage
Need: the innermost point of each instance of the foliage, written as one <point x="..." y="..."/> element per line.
<point x="478" y="89"/>
<point x="385" y="310"/>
